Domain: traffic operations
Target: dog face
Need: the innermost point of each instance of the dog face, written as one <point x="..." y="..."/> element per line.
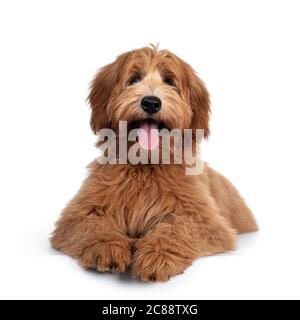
<point x="150" y="89"/>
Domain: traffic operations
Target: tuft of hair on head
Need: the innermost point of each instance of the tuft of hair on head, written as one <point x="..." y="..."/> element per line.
<point x="154" y="47"/>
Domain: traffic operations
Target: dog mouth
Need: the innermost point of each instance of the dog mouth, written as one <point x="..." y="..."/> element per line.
<point x="148" y="132"/>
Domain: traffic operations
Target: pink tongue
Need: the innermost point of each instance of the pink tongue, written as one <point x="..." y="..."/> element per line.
<point x="148" y="135"/>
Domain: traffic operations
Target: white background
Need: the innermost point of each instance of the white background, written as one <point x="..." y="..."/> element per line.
<point x="248" y="54"/>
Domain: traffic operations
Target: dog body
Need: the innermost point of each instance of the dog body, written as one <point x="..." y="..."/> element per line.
<point x="152" y="218"/>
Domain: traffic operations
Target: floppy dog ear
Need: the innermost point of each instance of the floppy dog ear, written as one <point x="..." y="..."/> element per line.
<point x="200" y="103"/>
<point x="100" y="92"/>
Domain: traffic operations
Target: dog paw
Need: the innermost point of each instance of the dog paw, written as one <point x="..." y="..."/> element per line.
<point x="114" y="256"/>
<point x="157" y="265"/>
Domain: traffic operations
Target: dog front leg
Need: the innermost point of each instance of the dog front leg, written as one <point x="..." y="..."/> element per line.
<point x="169" y="248"/>
<point x="92" y="238"/>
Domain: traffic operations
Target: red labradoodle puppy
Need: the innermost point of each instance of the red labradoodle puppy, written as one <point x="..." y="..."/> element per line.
<point x="154" y="219"/>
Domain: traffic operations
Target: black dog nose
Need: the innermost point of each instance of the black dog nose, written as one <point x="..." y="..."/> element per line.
<point x="151" y="104"/>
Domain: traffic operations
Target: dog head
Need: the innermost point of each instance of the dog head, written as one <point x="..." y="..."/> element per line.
<point x="150" y="89"/>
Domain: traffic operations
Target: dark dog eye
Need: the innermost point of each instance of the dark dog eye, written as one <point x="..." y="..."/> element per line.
<point x="134" y="80"/>
<point x="169" y="82"/>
